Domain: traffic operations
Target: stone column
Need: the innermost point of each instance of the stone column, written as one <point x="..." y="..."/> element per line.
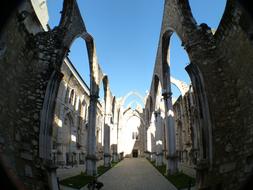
<point x="107" y="151"/>
<point x="91" y="159"/>
<point x="145" y="141"/>
<point x="115" y="143"/>
<point x="202" y="174"/>
<point x="148" y="143"/>
<point x="158" y="138"/>
<point x="52" y="178"/>
<point x="172" y="166"/>
<point x="152" y="138"/>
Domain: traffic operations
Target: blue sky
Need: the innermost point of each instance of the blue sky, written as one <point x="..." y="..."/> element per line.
<point x="126" y="34"/>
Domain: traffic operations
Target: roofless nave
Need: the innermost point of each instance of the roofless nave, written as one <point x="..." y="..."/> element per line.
<point x="50" y="120"/>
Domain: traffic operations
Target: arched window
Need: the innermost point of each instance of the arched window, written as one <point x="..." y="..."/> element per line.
<point x="67" y="95"/>
<point x="71" y="98"/>
<point x="83" y="110"/>
<point x="79" y="107"/>
<point x="76" y="103"/>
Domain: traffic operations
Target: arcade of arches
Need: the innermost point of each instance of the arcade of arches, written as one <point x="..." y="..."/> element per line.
<point x="51" y="120"/>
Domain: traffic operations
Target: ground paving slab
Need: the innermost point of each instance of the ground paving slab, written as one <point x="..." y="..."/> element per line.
<point x="134" y="174"/>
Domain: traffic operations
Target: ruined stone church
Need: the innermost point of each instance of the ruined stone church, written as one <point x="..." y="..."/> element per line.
<point x="53" y="125"/>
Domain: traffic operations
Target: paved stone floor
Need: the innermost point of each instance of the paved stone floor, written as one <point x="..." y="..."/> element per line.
<point x="134" y="174"/>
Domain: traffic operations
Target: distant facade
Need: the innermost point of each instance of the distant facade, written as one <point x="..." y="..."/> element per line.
<point x="131" y="133"/>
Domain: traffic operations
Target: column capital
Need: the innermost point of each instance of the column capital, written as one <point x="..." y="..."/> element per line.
<point x="171" y="157"/>
<point x="91" y="157"/>
<point x="157" y="112"/>
<point x="159" y="154"/>
<point x="166" y="95"/>
<point x="107" y="155"/>
<point x="202" y="165"/>
<point x="94" y="97"/>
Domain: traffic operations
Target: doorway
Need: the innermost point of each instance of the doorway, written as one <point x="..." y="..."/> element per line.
<point x="135" y="153"/>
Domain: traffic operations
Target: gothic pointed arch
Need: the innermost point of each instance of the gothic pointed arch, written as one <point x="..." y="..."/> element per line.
<point x="132" y="93"/>
<point x="181" y="85"/>
<point x="71" y="26"/>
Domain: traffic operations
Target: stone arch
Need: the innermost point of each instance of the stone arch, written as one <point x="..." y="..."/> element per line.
<point x="132" y="93"/>
<point x="113" y="109"/>
<point x="190" y="36"/>
<point x="198" y="85"/>
<point x="107" y="120"/>
<point x="134" y="113"/>
<point x="188" y="33"/>
<point x="206" y="8"/>
<point x="204" y="127"/>
<point x="157" y="93"/>
<point x="72" y="23"/>
<point x="107" y="94"/>
<point x="132" y="102"/>
<point x="182" y="86"/>
<point x="78" y="59"/>
<point x="150" y="107"/>
<point x="198" y="41"/>
<point x="72" y="97"/>
<point x="71" y="27"/>
<point x="229" y="12"/>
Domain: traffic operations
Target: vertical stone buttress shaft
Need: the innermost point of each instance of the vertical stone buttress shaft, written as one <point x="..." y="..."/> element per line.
<point x="91" y="163"/>
<point x="170" y="134"/>
<point x="152" y="138"/>
<point x="107" y="152"/>
<point x="158" y="138"/>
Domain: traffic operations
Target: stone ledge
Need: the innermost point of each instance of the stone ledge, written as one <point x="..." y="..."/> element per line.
<point x="107" y="155"/>
<point x="91" y="157"/>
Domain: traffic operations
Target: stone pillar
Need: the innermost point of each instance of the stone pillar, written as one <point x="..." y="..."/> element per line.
<point x="202" y="168"/>
<point x="52" y="178"/>
<point x="148" y="143"/>
<point x="145" y="141"/>
<point x="107" y="151"/>
<point x="91" y="159"/>
<point x="158" y="138"/>
<point x="115" y="157"/>
<point x="114" y="143"/>
<point x="152" y="138"/>
<point x="172" y="166"/>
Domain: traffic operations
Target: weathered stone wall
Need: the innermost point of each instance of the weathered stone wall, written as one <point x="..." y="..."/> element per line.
<point x="183" y="128"/>
<point x="233" y="136"/>
<point x="31" y="60"/>
<point x="221" y="74"/>
<point x="24" y="76"/>
<point x="127" y="141"/>
<point x="73" y="107"/>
